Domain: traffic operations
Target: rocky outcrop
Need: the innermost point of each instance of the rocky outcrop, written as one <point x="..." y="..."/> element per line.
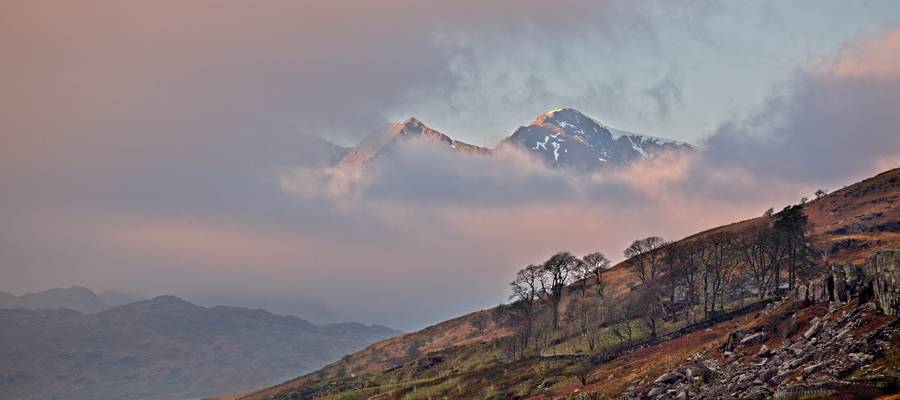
<point x="816" y="362"/>
<point x="883" y="270"/>
<point x="878" y="279"/>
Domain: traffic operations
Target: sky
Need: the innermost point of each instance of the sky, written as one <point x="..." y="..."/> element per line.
<point x="162" y="146"/>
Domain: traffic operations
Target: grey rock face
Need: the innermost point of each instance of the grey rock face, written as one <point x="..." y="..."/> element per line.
<point x="884" y="268"/>
<point x="880" y="274"/>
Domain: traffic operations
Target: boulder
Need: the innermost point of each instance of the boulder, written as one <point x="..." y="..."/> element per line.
<point x="814" y="329"/>
<point x="860" y="358"/>
<point x="669" y="378"/>
<point x="755" y="338"/>
<point x="813" y="368"/>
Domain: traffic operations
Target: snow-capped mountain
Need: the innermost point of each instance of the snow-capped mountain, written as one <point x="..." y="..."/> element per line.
<point x="386" y="139"/>
<point x="568" y="139"/>
<point x="564" y="138"/>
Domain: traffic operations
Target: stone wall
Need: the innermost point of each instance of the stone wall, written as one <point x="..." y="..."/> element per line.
<point x="882" y="271"/>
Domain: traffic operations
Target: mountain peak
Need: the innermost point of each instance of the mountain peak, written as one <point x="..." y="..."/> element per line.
<point x="410" y="126"/>
<point x="164" y="302"/>
<point x="411" y="121"/>
<point x="569" y="115"/>
<point x="384" y="141"/>
<point x="168" y="299"/>
<point x="567" y="138"/>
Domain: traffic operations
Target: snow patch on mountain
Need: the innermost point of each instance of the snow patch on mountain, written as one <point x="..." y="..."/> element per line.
<point x="568" y="139"/>
<point x="563" y="138"/>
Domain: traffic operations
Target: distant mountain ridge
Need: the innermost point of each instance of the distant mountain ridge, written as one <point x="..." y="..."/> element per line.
<point x="75" y="298"/>
<point x="164" y="348"/>
<point x="562" y="138"/>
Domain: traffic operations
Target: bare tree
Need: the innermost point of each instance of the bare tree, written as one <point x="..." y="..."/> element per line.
<point x="644" y="255"/>
<point x="526" y="290"/>
<point x="581" y="274"/>
<point x="595" y="336"/>
<point x="670" y="281"/>
<point x="589" y="268"/>
<point x="761" y="252"/>
<point x="717" y="256"/>
<point x="558" y="271"/>
<point x="622" y="316"/>
<point x="683" y="270"/>
<point x="652" y="310"/>
<point x="646" y="258"/>
<point x="597" y="263"/>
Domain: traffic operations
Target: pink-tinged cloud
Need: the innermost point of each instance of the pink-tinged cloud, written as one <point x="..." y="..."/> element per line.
<point x="831" y="123"/>
<point x="870" y="57"/>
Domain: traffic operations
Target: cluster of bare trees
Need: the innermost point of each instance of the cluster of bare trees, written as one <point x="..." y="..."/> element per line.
<point x="768" y="257"/>
<point x="548" y="282"/>
<point x="676" y="280"/>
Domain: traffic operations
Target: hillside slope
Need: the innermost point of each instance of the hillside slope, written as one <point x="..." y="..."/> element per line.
<point x="852" y="223"/>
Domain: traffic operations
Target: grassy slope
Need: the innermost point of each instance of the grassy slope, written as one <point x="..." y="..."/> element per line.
<point x="472" y="367"/>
